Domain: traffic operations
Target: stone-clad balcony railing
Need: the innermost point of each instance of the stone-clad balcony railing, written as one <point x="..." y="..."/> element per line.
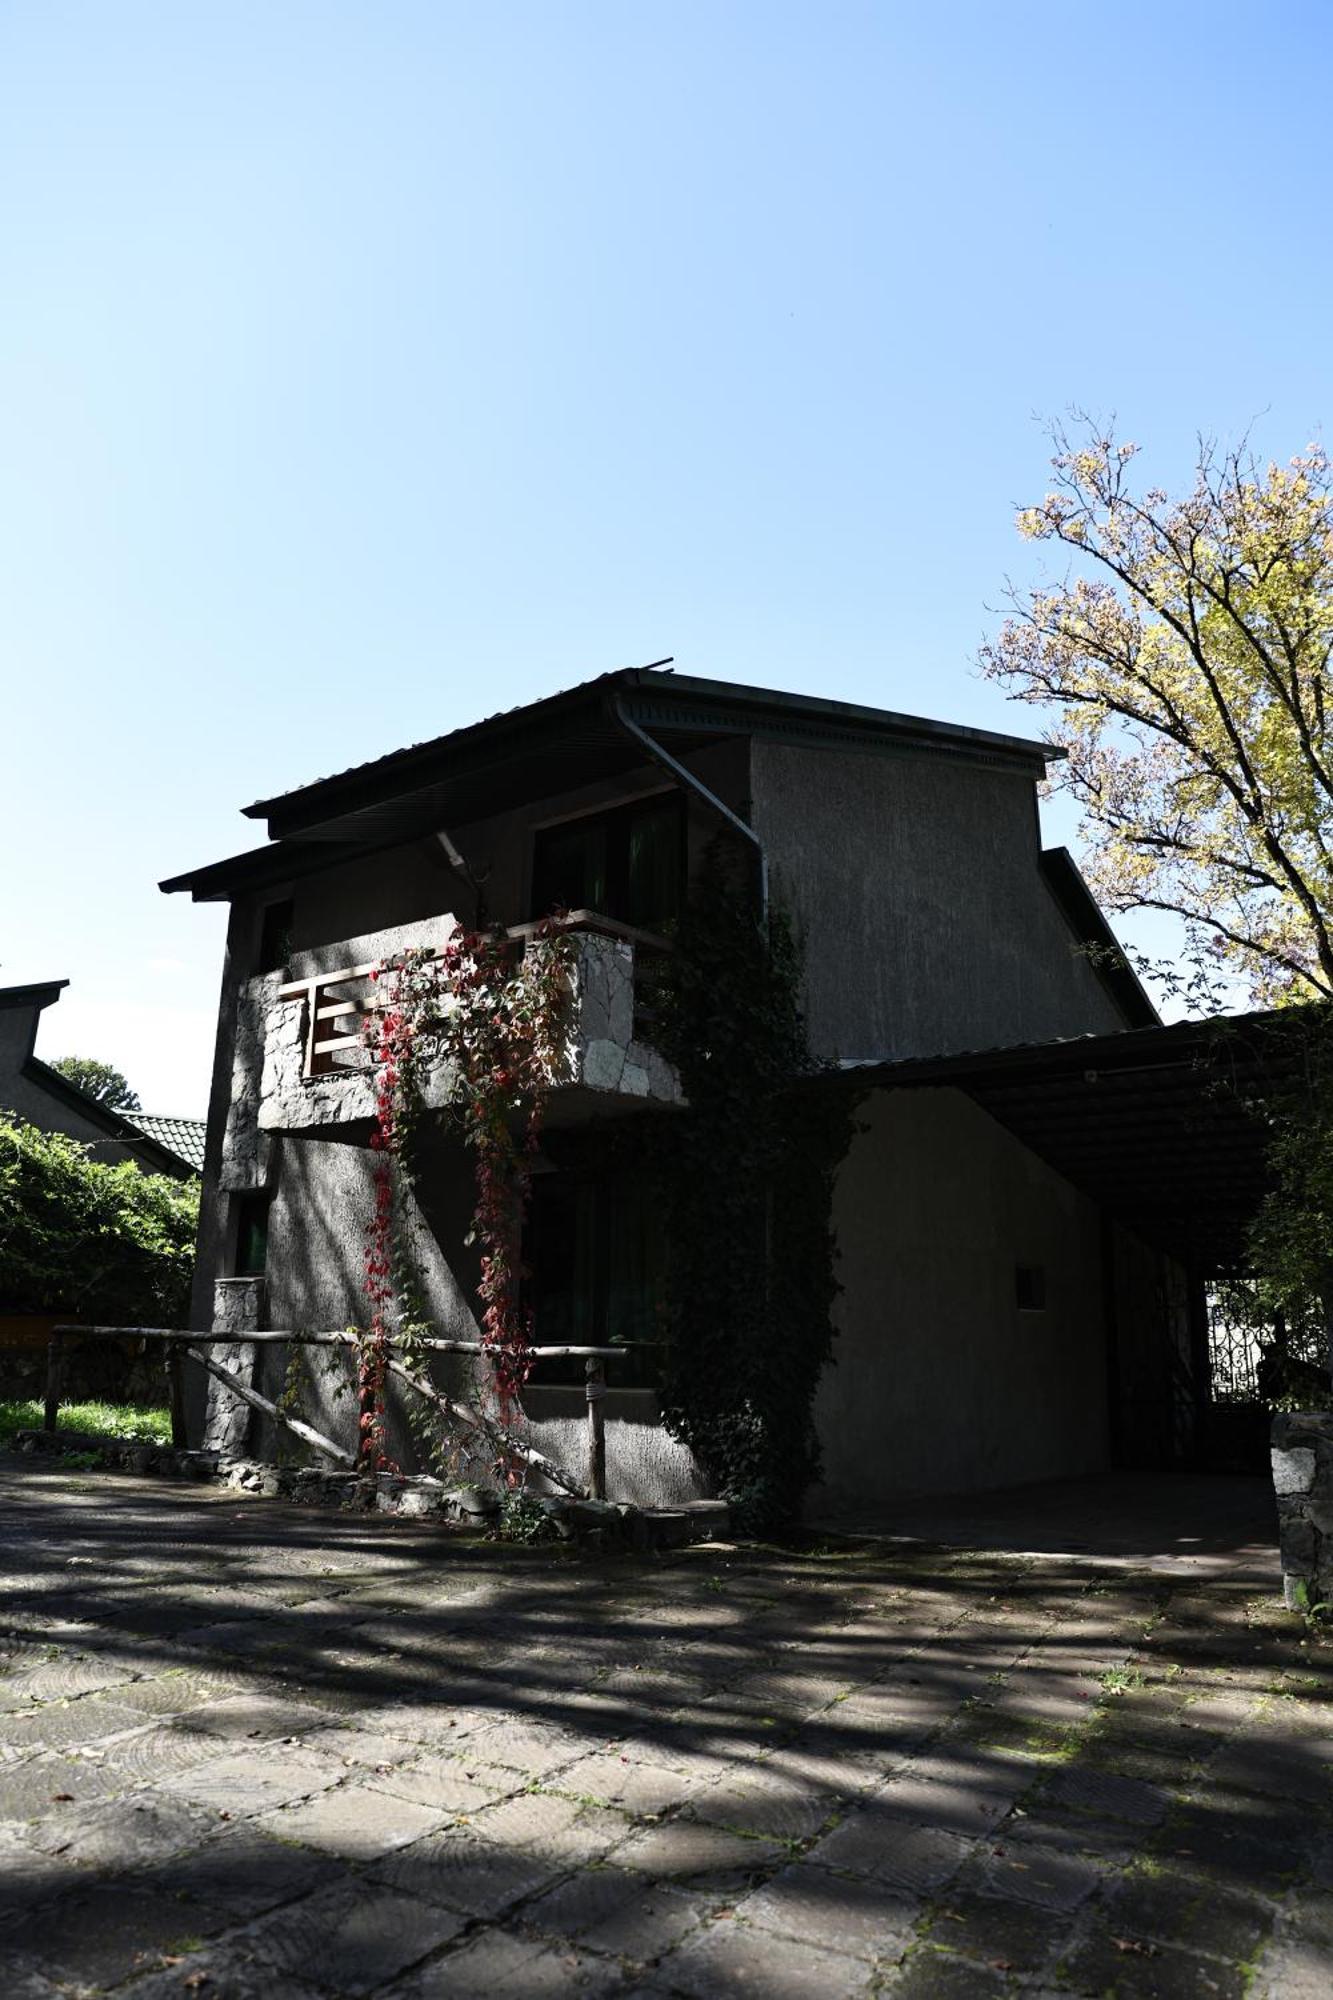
<point x="302" y="1027"/>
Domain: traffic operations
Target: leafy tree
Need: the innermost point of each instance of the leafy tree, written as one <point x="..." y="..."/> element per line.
<point x="81" y="1237"/>
<point x="1287" y="1301"/>
<point x="106" y="1086"/>
<point x="1187" y="655"/>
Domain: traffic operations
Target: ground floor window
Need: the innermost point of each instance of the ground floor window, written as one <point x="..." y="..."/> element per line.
<point x="595" y="1253"/>
<point x="252" y="1213"/>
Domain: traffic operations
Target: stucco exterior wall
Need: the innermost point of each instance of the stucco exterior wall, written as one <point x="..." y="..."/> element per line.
<point x="940" y="1382"/>
<point x="915" y="883"/>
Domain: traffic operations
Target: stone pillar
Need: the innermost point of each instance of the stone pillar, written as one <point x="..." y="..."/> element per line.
<point x="238" y="1307"/>
<point x="1303" y="1482"/>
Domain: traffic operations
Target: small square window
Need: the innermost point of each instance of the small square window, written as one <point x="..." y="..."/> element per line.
<point x="1030" y="1287"/>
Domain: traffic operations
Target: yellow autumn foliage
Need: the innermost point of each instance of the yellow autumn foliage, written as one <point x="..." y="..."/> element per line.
<point x="1186" y="654"/>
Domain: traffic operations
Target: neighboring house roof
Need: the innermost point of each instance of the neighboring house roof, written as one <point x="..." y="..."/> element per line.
<point x="37" y="996"/>
<point x="150" y="1151"/>
<point x="182" y="1136"/>
<point x="482" y="768"/>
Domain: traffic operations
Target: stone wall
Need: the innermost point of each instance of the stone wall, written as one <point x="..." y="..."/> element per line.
<point x="271" y="1093"/>
<point x="1303" y="1483"/>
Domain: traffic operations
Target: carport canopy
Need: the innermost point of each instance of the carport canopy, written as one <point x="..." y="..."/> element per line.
<point x="1166" y="1128"/>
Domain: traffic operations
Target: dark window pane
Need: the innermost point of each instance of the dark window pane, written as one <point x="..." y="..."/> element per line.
<point x="627" y="864"/>
<point x="653" y="870"/>
<point x="569" y="868"/>
<point x="275" y="936"/>
<point x="634" y="1263"/>
<point x="1030" y="1287"/>
<point x="252" y="1235"/>
<point x="595" y="1256"/>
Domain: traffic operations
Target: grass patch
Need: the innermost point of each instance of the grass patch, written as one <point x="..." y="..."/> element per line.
<point x="132" y="1421"/>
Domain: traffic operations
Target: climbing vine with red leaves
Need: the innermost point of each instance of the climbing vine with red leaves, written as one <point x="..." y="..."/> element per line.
<point x="491" y="1016"/>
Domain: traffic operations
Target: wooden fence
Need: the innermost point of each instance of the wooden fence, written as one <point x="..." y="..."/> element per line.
<point x="182" y="1345"/>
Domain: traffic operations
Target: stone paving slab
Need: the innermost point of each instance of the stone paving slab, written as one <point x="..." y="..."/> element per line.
<point x="249" y="1750"/>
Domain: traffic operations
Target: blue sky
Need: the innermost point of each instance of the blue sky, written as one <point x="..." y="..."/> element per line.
<point x="365" y="369"/>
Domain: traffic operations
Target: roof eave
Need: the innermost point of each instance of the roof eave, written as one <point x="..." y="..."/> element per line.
<point x="41" y="993"/>
<point x="664" y="700"/>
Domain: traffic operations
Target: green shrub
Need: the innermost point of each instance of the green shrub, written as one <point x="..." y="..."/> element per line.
<point x="106" y="1243"/>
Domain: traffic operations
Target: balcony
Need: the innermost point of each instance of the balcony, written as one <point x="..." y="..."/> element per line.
<point x="304" y="1032"/>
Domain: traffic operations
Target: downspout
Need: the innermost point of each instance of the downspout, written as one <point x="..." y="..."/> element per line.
<point x="687" y="779"/>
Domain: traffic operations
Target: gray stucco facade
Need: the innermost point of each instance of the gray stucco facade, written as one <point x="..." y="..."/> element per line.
<point x="908" y="857"/>
<point x="915" y="881"/>
<point x="941" y="1380"/>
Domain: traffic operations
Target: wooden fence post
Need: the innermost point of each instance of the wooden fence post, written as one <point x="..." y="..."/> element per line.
<point x="55" y="1377"/>
<point x="595" y="1370"/>
<point x="176" y="1394"/>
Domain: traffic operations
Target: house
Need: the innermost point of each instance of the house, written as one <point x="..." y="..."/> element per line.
<point x="1001" y="1319"/>
<point x="30" y="1089"/>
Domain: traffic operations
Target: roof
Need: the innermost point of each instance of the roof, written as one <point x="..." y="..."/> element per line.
<point x="1083" y="914"/>
<point x="39" y="995"/>
<point x="672" y="694"/>
<point x="1164" y="1127"/>
<point x="182" y="1136"/>
<point x="491" y="765"/>
<point x="150" y="1152"/>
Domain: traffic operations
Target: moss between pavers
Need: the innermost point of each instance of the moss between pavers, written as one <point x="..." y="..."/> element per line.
<point x="1005" y="1936"/>
<point x="1116" y="1962"/>
<point x="1181" y="1910"/>
<point x="931" y="1974"/>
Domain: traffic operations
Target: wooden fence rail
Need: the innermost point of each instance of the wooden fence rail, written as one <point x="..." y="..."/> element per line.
<point x="181" y="1344"/>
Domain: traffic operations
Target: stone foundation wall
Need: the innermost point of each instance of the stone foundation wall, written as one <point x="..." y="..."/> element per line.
<point x="607" y="1525"/>
<point x="1303" y="1483"/>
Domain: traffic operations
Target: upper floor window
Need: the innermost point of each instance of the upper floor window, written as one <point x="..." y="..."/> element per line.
<point x="628" y="863"/>
<point x="275" y="936"/>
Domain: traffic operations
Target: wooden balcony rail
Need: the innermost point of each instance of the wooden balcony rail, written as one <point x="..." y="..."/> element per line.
<point x="325" y="1004"/>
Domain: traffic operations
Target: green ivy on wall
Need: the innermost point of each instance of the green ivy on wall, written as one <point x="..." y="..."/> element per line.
<point x="746" y="1176"/>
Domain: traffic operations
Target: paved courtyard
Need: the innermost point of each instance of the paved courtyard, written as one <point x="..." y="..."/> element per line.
<point x="247" y="1749"/>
